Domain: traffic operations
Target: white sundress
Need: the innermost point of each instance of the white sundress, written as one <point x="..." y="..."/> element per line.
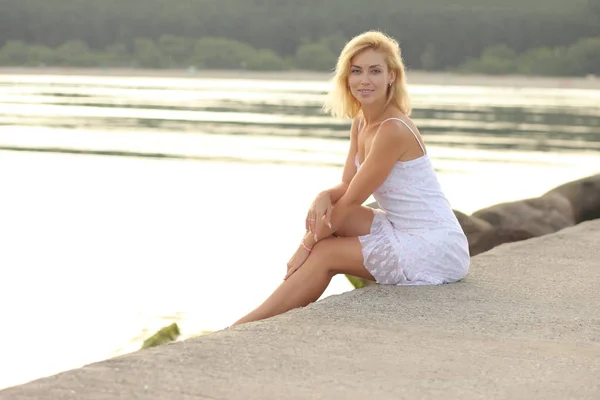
<point x="415" y="238"/>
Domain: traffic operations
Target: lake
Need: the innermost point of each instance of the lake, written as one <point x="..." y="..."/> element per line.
<point x="129" y="203"/>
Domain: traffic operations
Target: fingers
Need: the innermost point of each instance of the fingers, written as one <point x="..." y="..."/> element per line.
<point x="309" y="219"/>
<point x="321" y="230"/>
<point x="318" y="230"/>
<point x="290" y="272"/>
<point x="311" y="210"/>
<point x="312" y="222"/>
<point x="328" y="216"/>
<point x="290" y="267"/>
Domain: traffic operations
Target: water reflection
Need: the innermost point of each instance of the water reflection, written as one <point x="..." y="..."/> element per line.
<point x="544" y="120"/>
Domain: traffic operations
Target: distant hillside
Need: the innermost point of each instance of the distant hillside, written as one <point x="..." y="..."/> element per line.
<point x="437" y="33"/>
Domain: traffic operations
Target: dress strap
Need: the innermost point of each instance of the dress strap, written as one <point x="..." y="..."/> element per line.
<point x="410" y="129"/>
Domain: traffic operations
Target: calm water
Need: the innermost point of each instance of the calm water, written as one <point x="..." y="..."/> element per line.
<point x="129" y="203"/>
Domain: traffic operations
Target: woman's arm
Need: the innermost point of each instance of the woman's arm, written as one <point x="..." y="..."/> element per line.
<point x="336" y="192"/>
<point x="389" y="144"/>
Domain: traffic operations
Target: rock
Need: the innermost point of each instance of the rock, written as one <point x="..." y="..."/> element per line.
<point x="538" y="216"/>
<point x="164" y="335"/>
<point x="358" y="282"/>
<point x="472" y="224"/>
<point x="481" y="242"/>
<point x="584" y="196"/>
<point x="483" y="236"/>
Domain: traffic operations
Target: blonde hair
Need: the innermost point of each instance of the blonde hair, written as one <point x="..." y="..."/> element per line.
<point x="340" y="101"/>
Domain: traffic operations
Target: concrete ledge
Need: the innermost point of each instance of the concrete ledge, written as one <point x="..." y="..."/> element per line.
<point x="524" y="324"/>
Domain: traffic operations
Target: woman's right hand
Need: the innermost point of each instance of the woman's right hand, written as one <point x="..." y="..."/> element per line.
<point x="321" y="206"/>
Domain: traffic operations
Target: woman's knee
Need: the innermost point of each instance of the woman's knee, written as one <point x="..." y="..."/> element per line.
<point x="323" y="248"/>
<point x="323" y="253"/>
<point x="336" y="255"/>
<point x="357" y="223"/>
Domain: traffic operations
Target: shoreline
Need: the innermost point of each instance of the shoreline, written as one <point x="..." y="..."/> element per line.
<point x="413" y="77"/>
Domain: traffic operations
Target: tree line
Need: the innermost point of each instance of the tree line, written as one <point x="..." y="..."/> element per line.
<point x="581" y="58"/>
<point x="468" y="35"/>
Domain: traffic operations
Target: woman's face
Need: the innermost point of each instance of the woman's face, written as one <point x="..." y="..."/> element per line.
<point x="369" y="77"/>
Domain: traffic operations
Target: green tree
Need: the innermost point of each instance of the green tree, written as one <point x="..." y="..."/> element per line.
<point x="14" y="52"/>
<point x="177" y="50"/>
<point x="335" y="42"/>
<point x="498" y="59"/>
<point x="266" y="60"/>
<point x="222" y="53"/>
<point x="41" y="56"/>
<point x="147" y="54"/>
<point x="315" y="56"/>
<point x="75" y="53"/>
<point x="585" y="55"/>
<point x="116" y="54"/>
<point x="545" y="61"/>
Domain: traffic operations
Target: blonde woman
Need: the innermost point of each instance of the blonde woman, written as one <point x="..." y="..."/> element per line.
<point x="414" y="238"/>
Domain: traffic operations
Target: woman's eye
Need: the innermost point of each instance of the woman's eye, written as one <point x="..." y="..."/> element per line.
<point x="376" y="71"/>
<point x="355" y="71"/>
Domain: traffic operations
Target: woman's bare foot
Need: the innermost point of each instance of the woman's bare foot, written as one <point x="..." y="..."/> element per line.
<point x="296" y="261"/>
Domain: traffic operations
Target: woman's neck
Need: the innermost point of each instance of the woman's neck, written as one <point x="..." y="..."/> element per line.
<point x="373" y="113"/>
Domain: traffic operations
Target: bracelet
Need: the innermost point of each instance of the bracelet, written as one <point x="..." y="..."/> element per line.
<point x="305" y="247"/>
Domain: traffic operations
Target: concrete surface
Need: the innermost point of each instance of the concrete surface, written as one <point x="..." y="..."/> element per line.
<point x="524" y="324"/>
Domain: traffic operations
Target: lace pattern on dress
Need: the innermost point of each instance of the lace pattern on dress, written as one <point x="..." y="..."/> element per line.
<point x="380" y="256"/>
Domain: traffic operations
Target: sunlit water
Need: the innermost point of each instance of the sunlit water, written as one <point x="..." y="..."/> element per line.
<point x="130" y="203"/>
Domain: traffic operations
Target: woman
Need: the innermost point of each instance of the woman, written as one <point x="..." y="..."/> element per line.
<point x="415" y="238"/>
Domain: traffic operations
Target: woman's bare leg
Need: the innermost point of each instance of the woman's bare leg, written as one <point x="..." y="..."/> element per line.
<point x="331" y="256"/>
